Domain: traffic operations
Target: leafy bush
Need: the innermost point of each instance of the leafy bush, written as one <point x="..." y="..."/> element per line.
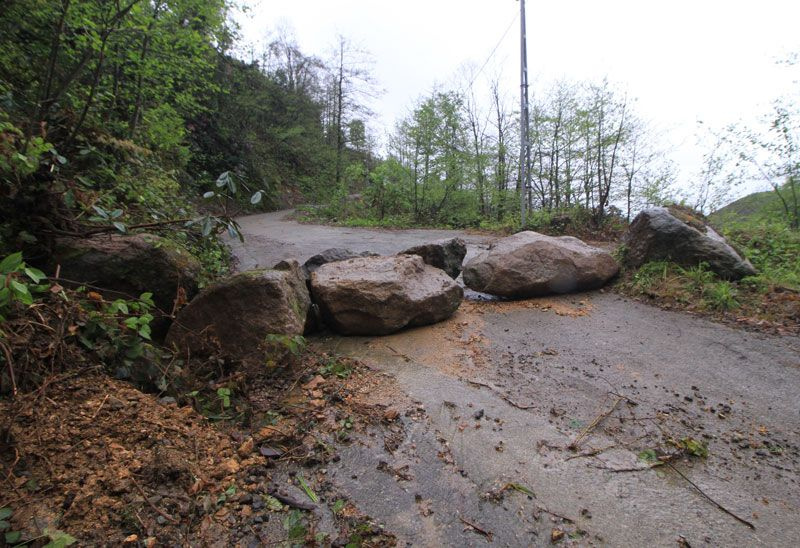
<point x="19" y="283"/>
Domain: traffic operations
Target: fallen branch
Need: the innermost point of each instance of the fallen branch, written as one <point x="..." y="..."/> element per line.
<point x="712" y="501"/>
<point x="10" y="363"/>
<point x="592" y="453"/>
<point x="102" y="403"/>
<point x="161" y="512"/>
<point x="598" y="419"/>
<point x="477" y="529"/>
<point x="554" y="514"/>
<point x="496" y="389"/>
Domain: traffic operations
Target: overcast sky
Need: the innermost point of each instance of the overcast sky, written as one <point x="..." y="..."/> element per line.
<point x="683" y="61"/>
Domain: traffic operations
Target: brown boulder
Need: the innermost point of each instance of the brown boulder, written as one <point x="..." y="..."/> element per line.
<point x="125" y="266"/>
<point x="233" y="318"/>
<point x="529" y="264"/>
<point x="381" y="295"/>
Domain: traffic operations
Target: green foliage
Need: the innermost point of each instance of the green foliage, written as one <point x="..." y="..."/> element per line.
<point x="19" y="283"/>
<point x="649" y="274"/>
<point x="281" y="348"/>
<point x="774" y="250"/>
<point x="649" y="456"/>
<point x="334" y="366"/>
<point x="295" y="526"/>
<point x="118" y="332"/>
<point x="58" y="539"/>
<point x="692" y="447"/>
<point x="307" y="489"/>
<point x="699" y="277"/>
<point x="224" y="396"/>
<point x="11" y="537"/>
<point x="18" y="157"/>
<point x="721" y="296"/>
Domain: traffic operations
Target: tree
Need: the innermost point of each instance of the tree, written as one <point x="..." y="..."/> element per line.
<point x="349" y="85"/>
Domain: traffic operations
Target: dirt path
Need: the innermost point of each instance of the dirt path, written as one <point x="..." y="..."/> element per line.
<point x="492" y="400"/>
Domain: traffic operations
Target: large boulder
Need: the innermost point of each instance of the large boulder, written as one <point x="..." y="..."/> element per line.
<point x="658" y="234"/>
<point x="445" y="254"/>
<point x="126" y="266"/>
<point x="529" y="264"/>
<point x="233" y="318"/>
<point x="332" y="255"/>
<point x="381" y="295"/>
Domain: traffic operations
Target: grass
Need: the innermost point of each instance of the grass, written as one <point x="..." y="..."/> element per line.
<point x="772" y="297"/>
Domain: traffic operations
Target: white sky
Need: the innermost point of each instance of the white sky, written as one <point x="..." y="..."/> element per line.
<point x="684" y="61"/>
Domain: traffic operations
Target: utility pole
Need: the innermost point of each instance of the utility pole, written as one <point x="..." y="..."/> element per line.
<point x="525" y="147"/>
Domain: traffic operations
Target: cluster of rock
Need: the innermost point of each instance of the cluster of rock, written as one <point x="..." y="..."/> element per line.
<point x="366" y="294"/>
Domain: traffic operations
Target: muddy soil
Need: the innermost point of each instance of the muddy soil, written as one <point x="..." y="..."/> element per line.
<point x="587" y="419"/>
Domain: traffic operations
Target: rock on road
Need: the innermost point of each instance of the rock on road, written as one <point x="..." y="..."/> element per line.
<point x="497" y="395"/>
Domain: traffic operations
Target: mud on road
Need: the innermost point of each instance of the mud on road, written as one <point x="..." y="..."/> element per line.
<point x="586" y="419"/>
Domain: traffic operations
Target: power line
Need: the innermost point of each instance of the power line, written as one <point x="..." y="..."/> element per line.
<point x="511" y="24"/>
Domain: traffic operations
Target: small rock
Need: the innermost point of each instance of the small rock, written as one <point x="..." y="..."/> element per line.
<point x="167" y="400"/>
<point x="161" y="520"/>
<point x="245" y="498"/>
<point x="556" y="535"/>
<point x="478" y="415"/>
<point x="228" y="467"/>
<point x="150" y="542"/>
<point x="390" y="415"/>
<point x="258" y="504"/>
<point x="246" y="448"/>
<point x="247" y="511"/>
<point x="131" y="539"/>
<point x="314" y="383"/>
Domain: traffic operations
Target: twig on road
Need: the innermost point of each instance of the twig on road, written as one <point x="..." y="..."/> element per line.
<point x="712" y="501"/>
<point x="477" y="529"/>
<point x="576" y="443"/>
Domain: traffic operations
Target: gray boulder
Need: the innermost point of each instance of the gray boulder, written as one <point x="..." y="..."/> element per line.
<point x="381" y="295"/>
<point x="529" y="264"/>
<point x="657" y="234"/>
<point x="445" y="254"/>
<point x="233" y="318"/>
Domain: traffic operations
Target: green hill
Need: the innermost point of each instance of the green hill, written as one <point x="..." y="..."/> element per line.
<point x="756" y="207"/>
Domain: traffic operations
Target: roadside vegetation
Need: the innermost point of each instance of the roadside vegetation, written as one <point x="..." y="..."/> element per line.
<point x="769" y="300"/>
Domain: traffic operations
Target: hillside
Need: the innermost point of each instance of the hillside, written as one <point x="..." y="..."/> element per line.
<point x="755" y="207"/>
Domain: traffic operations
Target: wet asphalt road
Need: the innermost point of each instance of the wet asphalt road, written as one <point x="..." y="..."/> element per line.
<point x="497" y="394"/>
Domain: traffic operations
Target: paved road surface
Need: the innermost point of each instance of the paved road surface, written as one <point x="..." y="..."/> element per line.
<point x="497" y="394"/>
